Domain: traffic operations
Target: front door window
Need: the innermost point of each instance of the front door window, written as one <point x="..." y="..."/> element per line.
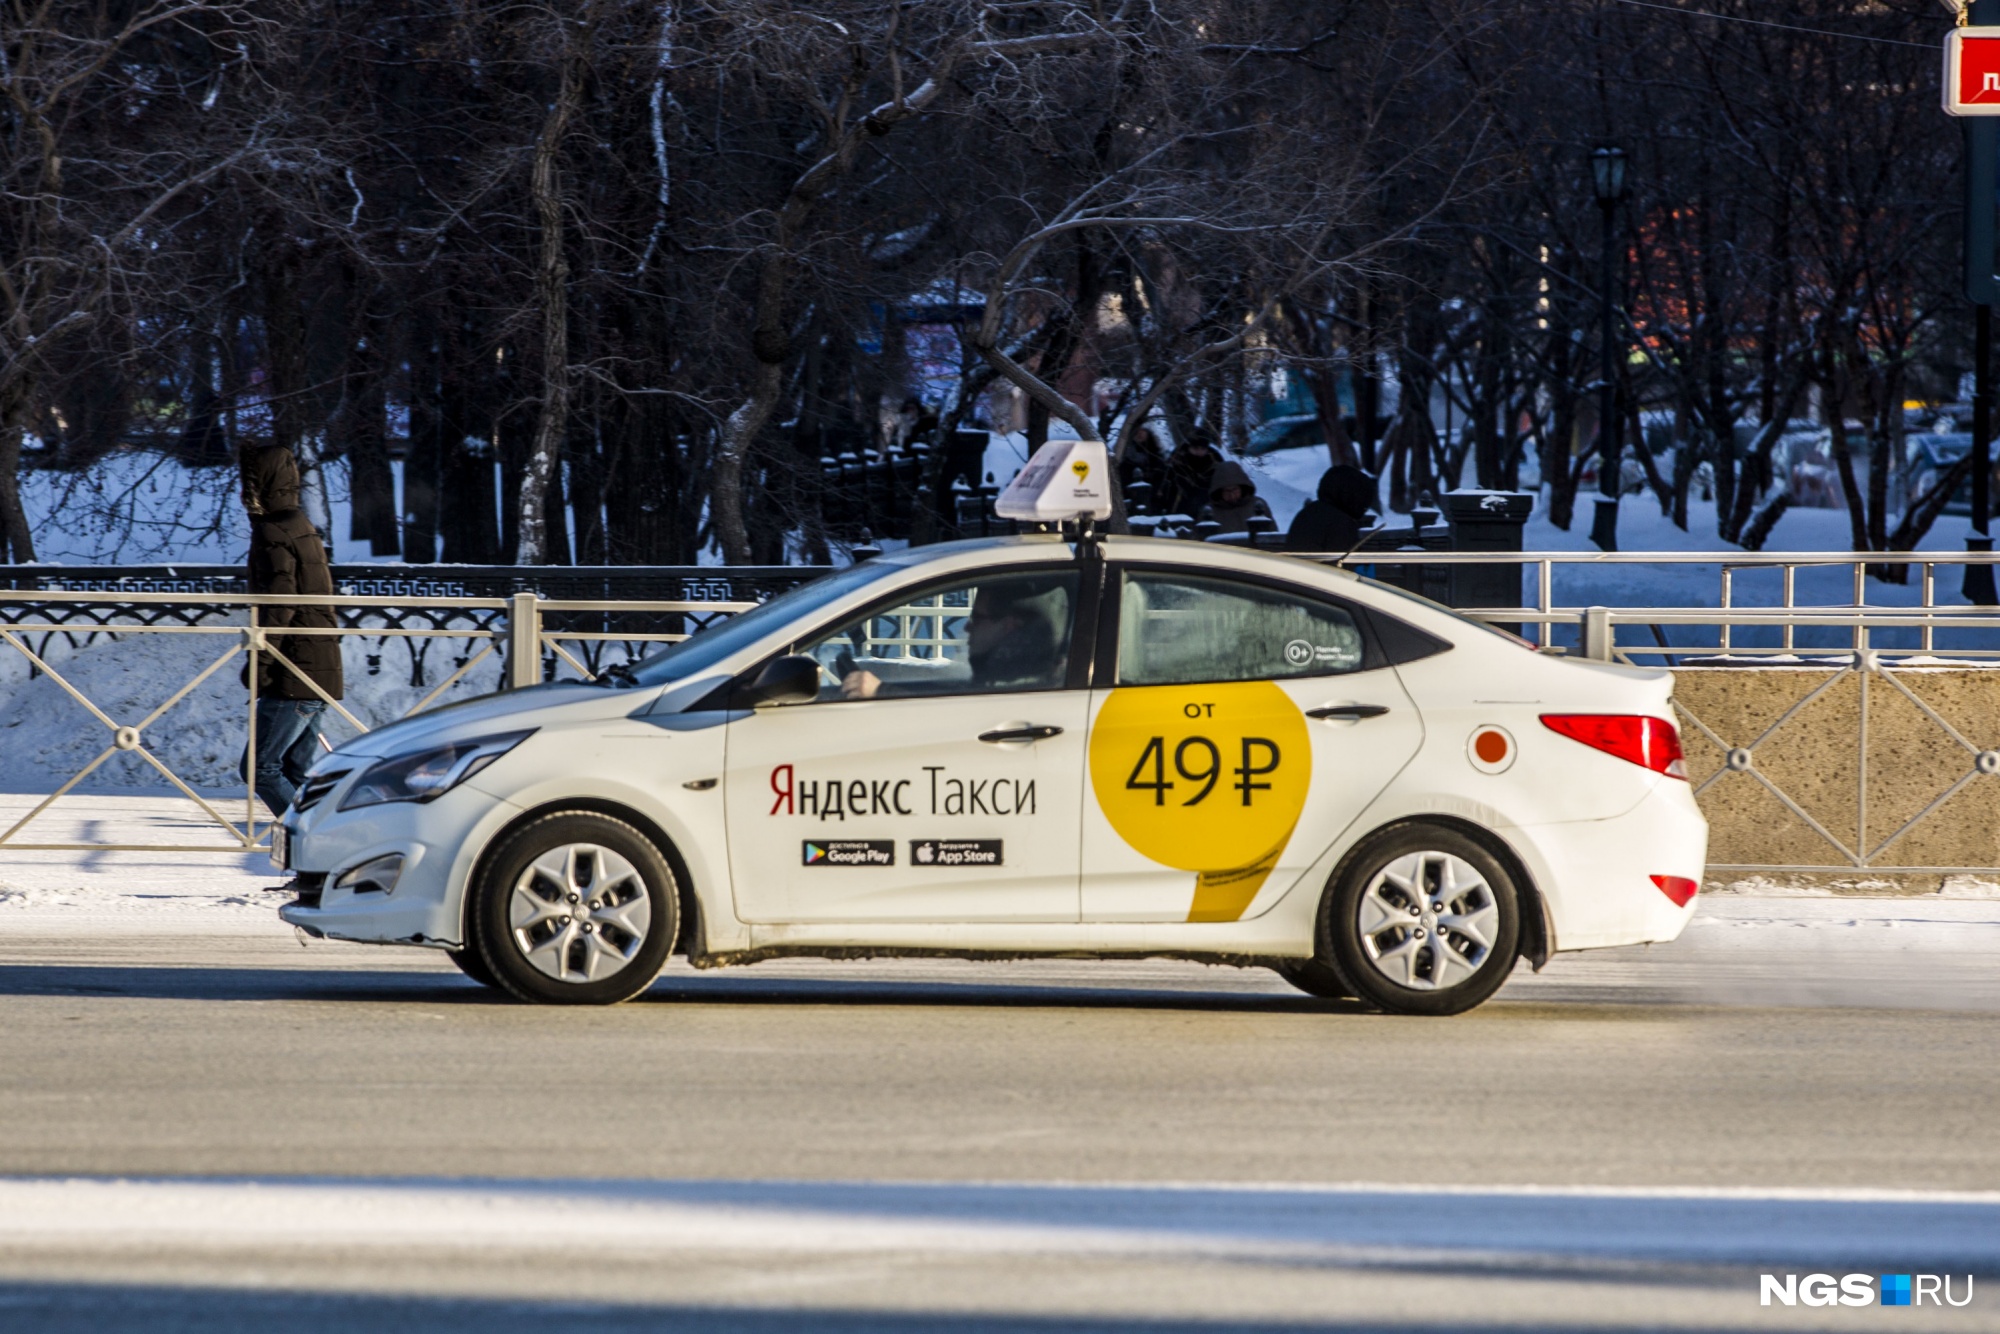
<point x="995" y="634"/>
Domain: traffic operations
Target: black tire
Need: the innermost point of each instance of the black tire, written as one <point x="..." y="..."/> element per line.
<point x="473" y="966"/>
<point x="533" y="924"/>
<point x="1402" y="966"/>
<point x="1315" y="979"/>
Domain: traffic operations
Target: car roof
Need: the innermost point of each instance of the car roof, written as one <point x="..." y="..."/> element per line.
<point x="1178" y="551"/>
<point x="950" y="557"/>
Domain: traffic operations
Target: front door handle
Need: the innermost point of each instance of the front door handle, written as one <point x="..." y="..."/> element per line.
<point x="1037" y="733"/>
<point x="1349" y="713"/>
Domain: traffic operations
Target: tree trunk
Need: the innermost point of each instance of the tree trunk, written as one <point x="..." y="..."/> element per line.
<point x="532" y="541"/>
<point x="1558" y="471"/>
<point x="1487" y="404"/>
<point x="285" y="387"/>
<point x="17" y="543"/>
<point x="466" y="509"/>
<point x="1843" y="457"/>
<point x="371" y="480"/>
<point x="739" y="432"/>
<point x="586" y="493"/>
<point x="422" y="463"/>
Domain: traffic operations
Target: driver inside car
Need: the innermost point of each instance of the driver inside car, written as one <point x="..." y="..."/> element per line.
<point x="1011" y="642"/>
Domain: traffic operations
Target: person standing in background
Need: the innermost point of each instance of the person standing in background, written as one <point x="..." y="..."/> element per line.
<point x="1143" y="462"/>
<point x="1339" y="516"/>
<point x="287" y="556"/>
<point x="1232" y="498"/>
<point x="1188" y="474"/>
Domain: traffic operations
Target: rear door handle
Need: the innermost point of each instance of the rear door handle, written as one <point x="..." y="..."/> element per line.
<point x="1038" y="733"/>
<point x="1349" y="712"/>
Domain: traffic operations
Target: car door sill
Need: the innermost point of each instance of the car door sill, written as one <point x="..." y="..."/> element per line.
<point x="1258" y="935"/>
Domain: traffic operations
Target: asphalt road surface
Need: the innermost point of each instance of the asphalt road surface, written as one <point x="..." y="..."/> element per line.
<point x="229" y="1131"/>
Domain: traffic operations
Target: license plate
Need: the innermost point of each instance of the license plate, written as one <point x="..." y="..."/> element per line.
<point x="281" y="847"/>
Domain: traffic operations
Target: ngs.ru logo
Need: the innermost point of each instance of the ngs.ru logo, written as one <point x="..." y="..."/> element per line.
<point x="1859" y="1290"/>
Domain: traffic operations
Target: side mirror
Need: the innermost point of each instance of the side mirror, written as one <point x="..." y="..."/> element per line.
<point x="792" y="680"/>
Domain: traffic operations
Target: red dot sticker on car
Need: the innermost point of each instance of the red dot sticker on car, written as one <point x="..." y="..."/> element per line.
<point x="1491" y="749"/>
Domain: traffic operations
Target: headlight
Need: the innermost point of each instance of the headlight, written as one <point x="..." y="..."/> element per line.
<point x="425" y="774"/>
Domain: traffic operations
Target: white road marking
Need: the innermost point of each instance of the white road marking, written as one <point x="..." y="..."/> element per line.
<point x="1352" y="1223"/>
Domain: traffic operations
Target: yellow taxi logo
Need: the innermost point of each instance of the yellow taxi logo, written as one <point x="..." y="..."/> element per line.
<point x="1081" y="469"/>
<point x="1209" y="779"/>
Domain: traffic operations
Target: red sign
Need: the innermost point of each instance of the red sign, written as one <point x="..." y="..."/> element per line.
<point x="1972" y="72"/>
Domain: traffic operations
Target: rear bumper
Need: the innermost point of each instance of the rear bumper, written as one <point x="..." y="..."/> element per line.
<point x="1596" y="875"/>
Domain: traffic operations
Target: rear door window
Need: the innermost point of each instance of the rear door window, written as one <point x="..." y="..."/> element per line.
<point x="1178" y="629"/>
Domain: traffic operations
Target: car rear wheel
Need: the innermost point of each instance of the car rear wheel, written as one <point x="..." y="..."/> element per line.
<point x="575" y="909"/>
<point x="1422" y="919"/>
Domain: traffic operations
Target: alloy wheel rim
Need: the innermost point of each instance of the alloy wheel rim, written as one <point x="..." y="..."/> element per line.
<point x="1428" y="921"/>
<point x="579" y="912"/>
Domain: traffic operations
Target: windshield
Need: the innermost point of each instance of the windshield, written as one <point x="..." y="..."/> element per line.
<point x="703" y="649"/>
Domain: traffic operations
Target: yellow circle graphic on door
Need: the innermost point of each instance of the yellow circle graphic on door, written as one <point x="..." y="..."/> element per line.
<point x="1209" y="779"/>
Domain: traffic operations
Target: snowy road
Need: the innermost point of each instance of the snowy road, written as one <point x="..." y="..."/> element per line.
<point x="205" y="1125"/>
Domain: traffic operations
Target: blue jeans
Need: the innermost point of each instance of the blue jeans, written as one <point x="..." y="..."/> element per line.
<point x="287" y="745"/>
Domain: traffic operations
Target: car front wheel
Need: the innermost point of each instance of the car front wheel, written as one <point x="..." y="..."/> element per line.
<point x="575" y="909"/>
<point x="1422" y="919"/>
<point x="1315" y="979"/>
<point x="473" y="965"/>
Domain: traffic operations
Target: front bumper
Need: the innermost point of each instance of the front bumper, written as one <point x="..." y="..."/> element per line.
<point x="436" y="839"/>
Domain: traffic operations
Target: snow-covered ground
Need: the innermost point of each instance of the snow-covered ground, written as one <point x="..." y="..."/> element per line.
<point x="208" y="888"/>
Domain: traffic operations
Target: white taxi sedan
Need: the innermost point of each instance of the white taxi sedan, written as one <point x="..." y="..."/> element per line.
<point x="1023" y="747"/>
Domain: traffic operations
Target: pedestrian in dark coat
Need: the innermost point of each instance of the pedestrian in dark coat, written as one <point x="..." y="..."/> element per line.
<point x="1143" y="462"/>
<point x="1232" y="498"/>
<point x="1335" y="521"/>
<point x="1189" y="472"/>
<point x="287" y="556"/>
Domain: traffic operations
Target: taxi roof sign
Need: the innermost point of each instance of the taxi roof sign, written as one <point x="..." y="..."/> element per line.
<point x="1972" y="72"/>
<point x="1067" y="479"/>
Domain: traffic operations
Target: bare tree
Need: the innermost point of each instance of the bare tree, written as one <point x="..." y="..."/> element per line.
<point x="79" y="210"/>
<point x="552" y="276"/>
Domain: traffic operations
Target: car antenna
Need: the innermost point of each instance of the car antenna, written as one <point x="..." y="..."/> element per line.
<point x="1357" y="543"/>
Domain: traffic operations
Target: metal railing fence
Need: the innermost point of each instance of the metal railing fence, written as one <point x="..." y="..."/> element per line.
<point x="534" y="639"/>
<point x="1594" y="625"/>
<point x="523" y="638"/>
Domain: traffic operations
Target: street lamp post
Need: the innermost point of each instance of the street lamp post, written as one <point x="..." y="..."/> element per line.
<point x="1607" y="181"/>
<point x="1978" y="584"/>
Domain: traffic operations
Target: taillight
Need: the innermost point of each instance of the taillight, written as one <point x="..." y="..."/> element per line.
<point x="1650" y="743"/>
<point x="1678" y="888"/>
